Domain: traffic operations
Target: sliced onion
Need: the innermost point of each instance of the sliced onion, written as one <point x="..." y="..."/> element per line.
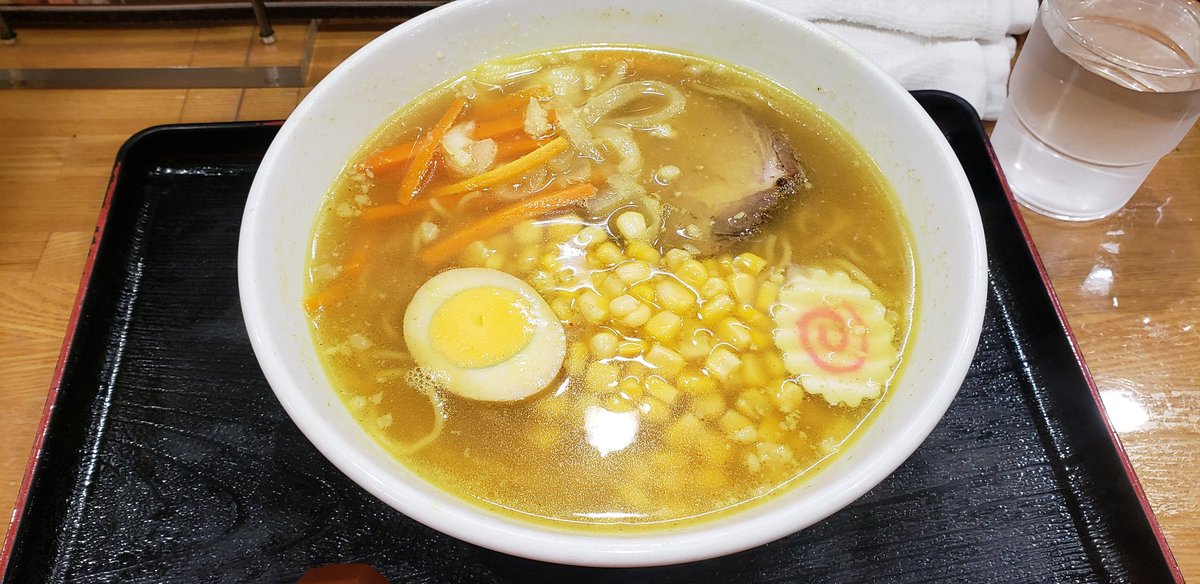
<point x="503" y="73"/>
<point x="600" y="106"/>
<point x="618" y="75"/>
<point x="576" y="130"/>
<point x="622" y="142"/>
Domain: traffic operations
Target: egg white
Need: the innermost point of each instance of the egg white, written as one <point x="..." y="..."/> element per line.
<point x="527" y="372"/>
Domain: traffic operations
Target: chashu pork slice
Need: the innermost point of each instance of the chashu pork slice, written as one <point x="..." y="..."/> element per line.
<point x="749" y="177"/>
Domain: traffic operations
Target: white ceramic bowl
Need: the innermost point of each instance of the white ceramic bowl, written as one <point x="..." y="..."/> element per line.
<point x="355" y="98"/>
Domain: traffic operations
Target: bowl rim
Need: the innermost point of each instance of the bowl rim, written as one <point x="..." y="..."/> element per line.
<point x="475" y="524"/>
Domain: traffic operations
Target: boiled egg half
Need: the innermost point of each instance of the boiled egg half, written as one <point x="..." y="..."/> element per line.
<point x="485" y="334"/>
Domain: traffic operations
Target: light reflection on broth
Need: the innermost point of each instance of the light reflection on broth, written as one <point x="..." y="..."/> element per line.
<point x="611" y="286"/>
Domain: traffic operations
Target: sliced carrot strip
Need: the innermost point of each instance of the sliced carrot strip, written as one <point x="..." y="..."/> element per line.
<point x="329" y="295"/>
<point x="493" y="223"/>
<point x="508" y="104"/>
<point x="422" y="159"/>
<point x="355" y="263"/>
<point x="390" y="159"/>
<point x="510" y="170"/>
<point x="517" y="147"/>
<point x="538" y="91"/>
<point x="500" y="127"/>
<point x="379" y="212"/>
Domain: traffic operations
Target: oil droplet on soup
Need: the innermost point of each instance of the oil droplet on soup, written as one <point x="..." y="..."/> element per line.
<point x="611" y="286"/>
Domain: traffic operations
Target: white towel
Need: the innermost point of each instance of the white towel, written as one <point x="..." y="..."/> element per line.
<point x="961" y="46"/>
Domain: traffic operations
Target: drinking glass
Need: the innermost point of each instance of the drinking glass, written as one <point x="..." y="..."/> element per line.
<point x="1101" y="91"/>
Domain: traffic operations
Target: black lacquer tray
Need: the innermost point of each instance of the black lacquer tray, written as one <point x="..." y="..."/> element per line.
<point x="164" y="456"/>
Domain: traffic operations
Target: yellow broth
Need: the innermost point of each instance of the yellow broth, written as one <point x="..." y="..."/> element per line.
<point x="689" y="455"/>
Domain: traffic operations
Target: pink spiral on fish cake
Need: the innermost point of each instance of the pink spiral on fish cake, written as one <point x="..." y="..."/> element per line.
<point x="826" y="334"/>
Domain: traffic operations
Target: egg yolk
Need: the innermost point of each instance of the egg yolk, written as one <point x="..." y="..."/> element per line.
<point x="481" y="327"/>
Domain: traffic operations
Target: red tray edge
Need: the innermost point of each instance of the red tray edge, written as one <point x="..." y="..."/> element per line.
<point x="39" y="439"/>
<point x="1130" y="473"/>
<point x="56" y="381"/>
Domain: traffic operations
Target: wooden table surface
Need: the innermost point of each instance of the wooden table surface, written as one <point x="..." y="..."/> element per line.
<point x="1130" y="284"/>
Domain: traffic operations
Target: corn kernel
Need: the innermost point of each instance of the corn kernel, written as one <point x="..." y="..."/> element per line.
<point x="604" y="345"/>
<point x="502" y="242"/>
<point x="563" y="228"/>
<point x="753" y="372"/>
<point x="617" y="402"/>
<point x="711" y="476"/>
<point x="640" y="250"/>
<point x="754" y="404"/>
<point x="754" y="318"/>
<point x="661" y="390"/>
<point x="592" y="306"/>
<point x="713" y="268"/>
<point x="653" y="410"/>
<point x="665" y="359"/>
<point x="476" y="253"/>
<point x="687" y="432"/>
<point x="549" y="261"/>
<point x="768" y="293"/>
<point x="675" y="296"/>
<point x="607" y="254"/>
<point x="692" y="273"/>
<point x="734" y="332"/>
<point x="675" y="258"/>
<point x="721" y="363"/>
<point x="622" y="306"/>
<point x="788" y="396"/>
<point x="714" y="287"/>
<point x="551" y="407"/>
<point x="631" y="387"/>
<point x="639" y="316"/>
<point x="633" y="271"/>
<point x="637" y="368"/>
<point x="542" y="281"/>
<point x="759" y="339"/>
<point x="562" y="308"/>
<point x="527" y="233"/>
<point x="743" y="286"/>
<point x="611" y="286"/>
<point x="631" y="225"/>
<point x="716" y="308"/>
<point x="494" y="262"/>
<point x="664" y="326"/>
<point x="692" y="381"/>
<point x="708" y="406"/>
<point x="695" y="346"/>
<point x="576" y="358"/>
<point x="589" y="237"/>
<point x="773" y="362"/>
<point x="630" y="349"/>
<point x="725" y="263"/>
<point x="748" y="263"/>
<point x="527" y="259"/>
<point x="601" y="377"/>
<point x="567" y="276"/>
<point x="770" y="429"/>
<point x="643" y="292"/>
<point x="737" y="427"/>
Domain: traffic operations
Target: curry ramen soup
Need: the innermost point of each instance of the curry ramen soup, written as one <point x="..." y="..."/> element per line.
<point x="611" y="286"/>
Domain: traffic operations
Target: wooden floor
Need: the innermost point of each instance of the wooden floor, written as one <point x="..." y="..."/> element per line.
<point x="1130" y="284"/>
